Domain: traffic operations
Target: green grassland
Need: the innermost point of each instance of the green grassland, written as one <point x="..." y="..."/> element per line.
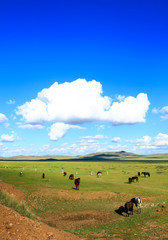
<point x="94" y="212"/>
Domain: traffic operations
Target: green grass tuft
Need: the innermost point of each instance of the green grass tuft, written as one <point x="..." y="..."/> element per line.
<point x="9" y="201"/>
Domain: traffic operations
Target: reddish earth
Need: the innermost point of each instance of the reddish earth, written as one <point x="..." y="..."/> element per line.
<point x="16" y="227"/>
<point x="13" y="191"/>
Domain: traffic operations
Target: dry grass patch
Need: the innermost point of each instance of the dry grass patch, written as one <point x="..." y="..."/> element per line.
<point x="79" y="219"/>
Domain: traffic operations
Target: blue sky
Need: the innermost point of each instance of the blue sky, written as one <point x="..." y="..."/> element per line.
<point x="83" y="76"/>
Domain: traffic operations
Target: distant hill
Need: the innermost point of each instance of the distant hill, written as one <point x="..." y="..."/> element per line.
<point x="44" y="157"/>
<point x="101" y="156"/>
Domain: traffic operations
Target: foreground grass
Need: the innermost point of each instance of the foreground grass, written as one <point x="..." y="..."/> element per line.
<point x="55" y="196"/>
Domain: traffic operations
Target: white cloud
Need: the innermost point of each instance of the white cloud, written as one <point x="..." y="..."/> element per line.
<point x="159" y="143"/>
<point x="10" y="102"/>
<point x="3" y="118"/>
<point x="44" y="148"/>
<point x="130" y="111"/>
<point x="146" y="140"/>
<point x="148" y="147"/>
<point x="33" y="112"/>
<point x="81" y="101"/>
<point x="31" y="126"/>
<point x="7" y="138"/>
<point x="116" y="139"/>
<point x="161" y="139"/>
<point x="155" y="110"/>
<point x="120" y="98"/>
<point x="164" y="111"/>
<point x="94" y="137"/>
<point x="101" y="127"/>
<point x="59" y="130"/>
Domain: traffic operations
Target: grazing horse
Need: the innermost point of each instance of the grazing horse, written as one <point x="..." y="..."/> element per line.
<point x="99" y="174"/>
<point x="139" y="174"/>
<point x="77" y="181"/>
<point x="129" y="207"/>
<point x="20" y="174"/>
<point x="135" y="178"/>
<point x="71" y="177"/>
<point x="138" y="202"/>
<point x="43" y="175"/>
<point x="146" y="173"/>
<point x="130" y="180"/>
<point x="65" y="173"/>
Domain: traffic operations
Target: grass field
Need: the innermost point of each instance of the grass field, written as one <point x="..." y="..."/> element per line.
<point x="95" y="211"/>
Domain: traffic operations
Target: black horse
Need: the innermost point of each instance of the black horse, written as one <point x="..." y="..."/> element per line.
<point x="146" y="173"/>
<point x="130" y="180"/>
<point x="20" y="174"/>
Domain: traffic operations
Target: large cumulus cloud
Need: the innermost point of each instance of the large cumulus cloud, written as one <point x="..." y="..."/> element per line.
<point x="80" y="102"/>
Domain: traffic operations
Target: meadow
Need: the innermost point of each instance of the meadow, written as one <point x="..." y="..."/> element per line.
<point x="95" y="211"/>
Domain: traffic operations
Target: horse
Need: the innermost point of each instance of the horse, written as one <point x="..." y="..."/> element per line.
<point x="135" y="178"/>
<point x="71" y="177"/>
<point x="65" y="173"/>
<point x="129" y="207"/>
<point x="130" y="180"/>
<point x="20" y="174"/>
<point x="146" y="173"/>
<point x="43" y="175"/>
<point x="99" y="174"/>
<point x="77" y="181"/>
<point x="139" y="174"/>
<point x="138" y="202"/>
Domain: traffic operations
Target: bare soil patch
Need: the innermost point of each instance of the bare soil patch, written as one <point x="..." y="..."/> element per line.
<point x="162" y="209"/>
<point x="18" y="194"/>
<point x="75" y="195"/>
<point x="14" y="226"/>
<point x="72" y="220"/>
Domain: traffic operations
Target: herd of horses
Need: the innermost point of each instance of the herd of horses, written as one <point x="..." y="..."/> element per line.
<point x="77" y="180"/>
<point x="131" y="179"/>
<point x="129" y="206"/>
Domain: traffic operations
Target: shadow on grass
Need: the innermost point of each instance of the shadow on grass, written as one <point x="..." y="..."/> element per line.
<point x="120" y="211"/>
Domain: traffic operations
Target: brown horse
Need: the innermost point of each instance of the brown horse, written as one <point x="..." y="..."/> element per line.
<point x="77" y="181"/>
<point x="135" y="178"/>
<point x="99" y="174"/>
<point x="71" y="177"/>
<point x="65" y="173"/>
<point x="129" y="207"/>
